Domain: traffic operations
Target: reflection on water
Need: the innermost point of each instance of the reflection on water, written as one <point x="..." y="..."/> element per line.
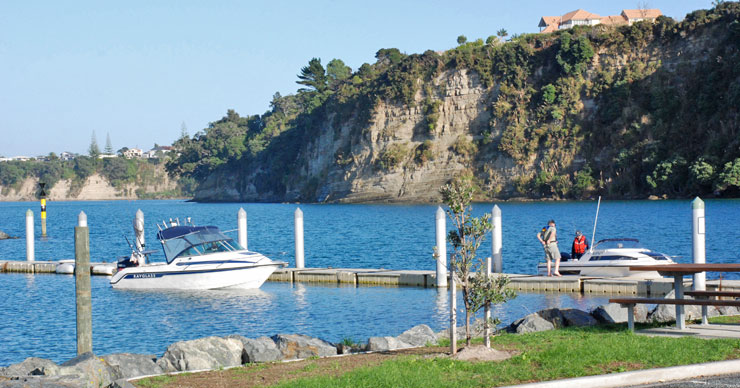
<point x="441" y="303"/>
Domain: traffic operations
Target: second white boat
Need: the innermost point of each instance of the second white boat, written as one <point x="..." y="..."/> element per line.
<point x="612" y="258"/>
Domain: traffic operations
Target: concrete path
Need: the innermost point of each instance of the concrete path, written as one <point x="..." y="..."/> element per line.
<point x="644" y="377"/>
<point x="710" y="331"/>
<point x="727" y="381"/>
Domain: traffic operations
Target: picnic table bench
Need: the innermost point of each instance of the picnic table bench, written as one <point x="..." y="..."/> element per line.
<point x="678" y="271"/>
<point x="631" y="302"/>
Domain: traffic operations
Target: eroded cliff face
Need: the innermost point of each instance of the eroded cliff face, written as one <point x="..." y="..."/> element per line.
<point x="405" y="153"/>
<point x="95" y="188"/>
<point x="345" y="163"/>
<point x="424" y="159"/>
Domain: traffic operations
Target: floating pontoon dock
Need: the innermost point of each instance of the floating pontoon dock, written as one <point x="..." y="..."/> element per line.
<point x="413" y="278"/>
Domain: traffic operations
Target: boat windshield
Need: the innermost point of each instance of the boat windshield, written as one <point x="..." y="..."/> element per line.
<point x="194" y="241"/>
<point x="618" y="243"/>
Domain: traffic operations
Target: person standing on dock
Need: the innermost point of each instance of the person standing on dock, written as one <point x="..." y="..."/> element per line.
<point x="580" y="245"/>
<point x="549" y="239"/>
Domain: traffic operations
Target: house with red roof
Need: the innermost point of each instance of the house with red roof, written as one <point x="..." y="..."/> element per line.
<point x="581" y="17"/>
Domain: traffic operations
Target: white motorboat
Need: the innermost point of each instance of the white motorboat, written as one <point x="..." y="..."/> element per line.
<point x="197" y="258"/>
<point x="612" y="258"/>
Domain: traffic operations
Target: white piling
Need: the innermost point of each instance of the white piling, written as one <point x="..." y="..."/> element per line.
<point x="453" y="311"/>
<point x="30" y="255"/>
<point x="299" y="259"/>
<point x="441" y="229"/>
<point x="496" y="244"/>
<point x="139" y="240"/>
<point x="699" y="248"/>
<point x="241" y="221"/>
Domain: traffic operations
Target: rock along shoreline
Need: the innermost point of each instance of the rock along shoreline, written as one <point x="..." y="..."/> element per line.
<point x="211" y="353"/>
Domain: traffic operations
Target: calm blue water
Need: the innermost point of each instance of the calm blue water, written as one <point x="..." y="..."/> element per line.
<point x="39" y="314"/>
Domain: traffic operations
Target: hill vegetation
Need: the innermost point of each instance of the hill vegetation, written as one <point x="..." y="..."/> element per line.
<point x="606" y="110"/>
<point x="119" y="172"/>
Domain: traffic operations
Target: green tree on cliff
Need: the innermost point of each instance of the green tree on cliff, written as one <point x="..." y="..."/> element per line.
<point x="313" y="76"/>
<point x="337" y="71"/>
<point x="93" y="150"/>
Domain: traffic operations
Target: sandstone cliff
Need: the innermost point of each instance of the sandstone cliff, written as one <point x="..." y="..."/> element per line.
<point x="647" y="114"/>
<point x="95" y="188"/>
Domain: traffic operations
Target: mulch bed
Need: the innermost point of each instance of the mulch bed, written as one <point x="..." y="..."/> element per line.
<point x="259" y="375"/>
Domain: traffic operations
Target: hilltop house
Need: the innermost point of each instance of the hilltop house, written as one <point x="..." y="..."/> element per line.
<point x="157" y="152"/>
<point x="133" y="153"/>
<point x="581" y="17"/>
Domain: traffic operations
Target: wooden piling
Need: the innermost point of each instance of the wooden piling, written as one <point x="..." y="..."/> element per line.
<point x="83" y="295"/>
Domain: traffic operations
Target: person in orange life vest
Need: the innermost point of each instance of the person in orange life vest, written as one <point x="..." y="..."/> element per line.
<point x="580" y="245"/>
<point x="549" y="239"/>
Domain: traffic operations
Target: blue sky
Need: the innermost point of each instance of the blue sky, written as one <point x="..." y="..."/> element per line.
<point x="137" y="70"/>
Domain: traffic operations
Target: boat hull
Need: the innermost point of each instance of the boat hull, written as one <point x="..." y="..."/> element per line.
<point x="194" y="277"/>
<point x="581" y="269"/>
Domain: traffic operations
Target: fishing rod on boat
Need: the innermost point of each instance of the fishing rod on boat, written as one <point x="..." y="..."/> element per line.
<point x="593" y="235"/>
<point x="129" y="243"/>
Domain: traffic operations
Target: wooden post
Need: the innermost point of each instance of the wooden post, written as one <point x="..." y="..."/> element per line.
<point x="82" y="285"/>
<point x="699" y="253"/>
<point x="299" y="259"/>
<point x="441" y="231"/>
<point x="30" y="255"/>
<point x="241" y="222"/>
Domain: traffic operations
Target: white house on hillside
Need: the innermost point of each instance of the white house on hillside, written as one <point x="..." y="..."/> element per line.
<point x="581" y="17"/>
<point x="133" y="153"/>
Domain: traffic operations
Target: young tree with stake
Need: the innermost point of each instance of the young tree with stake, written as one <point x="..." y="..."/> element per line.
<point x="469" y="232"/>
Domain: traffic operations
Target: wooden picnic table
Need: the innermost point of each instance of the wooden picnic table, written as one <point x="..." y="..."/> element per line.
<point x="678" y="271"/>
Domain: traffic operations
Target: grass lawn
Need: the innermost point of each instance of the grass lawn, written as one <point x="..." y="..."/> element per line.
<point x="549" y="355"/>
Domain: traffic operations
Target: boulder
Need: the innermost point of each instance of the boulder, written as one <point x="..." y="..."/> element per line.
<point x="667" y="312"/>
<point x="728" y="310"/>
<point x="31" y="366"/>
<point x="382" y="344"/>
<point x="94" y="371"/>
<point x="294" y="346"/>
<point x="554" y="316"/>
<point x="575" y="317"/>
<point x="532" y="323"/>
<point x="615" y="313"/>
<point x="262" y="349"/>
<point x="419" y="335"/>
<point x="43" y="382"/>
<point x="122" y="383"/>
<point x="129" y="365"/>
<point x="202" y="353"/>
